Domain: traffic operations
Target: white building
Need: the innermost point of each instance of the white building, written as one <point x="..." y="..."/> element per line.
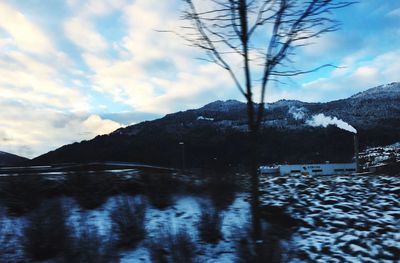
<point x="310" y="169"/>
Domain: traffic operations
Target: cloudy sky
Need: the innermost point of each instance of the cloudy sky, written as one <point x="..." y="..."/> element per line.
<point x="73" y="69"/>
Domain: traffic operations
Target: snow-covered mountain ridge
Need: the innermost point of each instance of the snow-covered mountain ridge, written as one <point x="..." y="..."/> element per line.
<point x="382" y="91"/>
<point x="219" y="129"/>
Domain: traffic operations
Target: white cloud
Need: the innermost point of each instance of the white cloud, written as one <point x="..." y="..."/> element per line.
<point x="394" y="13"/>
<point x="24" y="34"/>
<point x="366" y="74"/>
<point x="82" y="33"/>
<point x="80" y="28"/>
<point x="31" y="68"/>
<point x="26" y="79"/>
<point x="96" y="7"/>
<point x="29" y="131"/>
<point x="321" y="46"/>
<point x="37" y="105"/>
<point x="358" y="76"/>
<point x="156" y="72"/>
<point x="95" y="125"/>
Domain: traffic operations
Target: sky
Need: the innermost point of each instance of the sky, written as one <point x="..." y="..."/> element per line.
<point x="74" y="69"/>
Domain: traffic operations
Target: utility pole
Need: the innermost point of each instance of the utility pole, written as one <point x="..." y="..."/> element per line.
<point x="356" y="153"/>
<point x="182" y="144"/>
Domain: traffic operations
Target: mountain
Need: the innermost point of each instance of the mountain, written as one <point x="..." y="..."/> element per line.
<point x="383" y="91"/>
<point x="215" y="134"/>
<point x="7" y="159"/>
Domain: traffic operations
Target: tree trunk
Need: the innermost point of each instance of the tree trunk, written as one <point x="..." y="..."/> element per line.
<point x="254" y="163"/>
<point x="255" y="194"/>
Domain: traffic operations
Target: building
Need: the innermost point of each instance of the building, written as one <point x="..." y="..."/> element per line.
<point x="310" y="169"/>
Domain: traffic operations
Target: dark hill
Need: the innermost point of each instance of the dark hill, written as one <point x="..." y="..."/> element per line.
<point x="216" y="133"/>
<point x="8" y="159"/>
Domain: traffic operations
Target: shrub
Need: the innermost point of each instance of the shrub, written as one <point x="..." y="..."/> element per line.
<point x="175" y="247"/>
<point x="245" y="252"/>
<point x="221" y="188"/>
<point x="9" y="242"/>
<point x="159" y="248"/>
<point x="21" y="194"/>
<point x="128" y="222"/>
<point x="183" y="248"/>
<point x="88" y="246"/>
<point x="89" y="190"/>
<point x="159" y="189"/>
<point x="267" y="249"/>
<point x="210" y="225"/>
<point x="46" y="233"/>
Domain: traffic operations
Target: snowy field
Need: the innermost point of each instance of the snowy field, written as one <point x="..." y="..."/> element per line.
<point x="183" y="215"/>
<point x="341" y="219"/>
<point x="345" y="218"/>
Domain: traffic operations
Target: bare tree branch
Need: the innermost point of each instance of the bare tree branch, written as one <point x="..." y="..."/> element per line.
<point x="266" y="31"/>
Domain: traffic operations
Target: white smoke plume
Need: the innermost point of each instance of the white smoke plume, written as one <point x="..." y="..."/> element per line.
<point x="297" y="113"/>
<point x="322" y="120"/>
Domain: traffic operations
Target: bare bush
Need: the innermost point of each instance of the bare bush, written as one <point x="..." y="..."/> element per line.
<point x="10" y="249"/>
<point x="267" y="249"/>
<point x="21" y="195"/>
<point x="88" y="246"/>
<point x="210" y="225"/>
<point x="128" y="221"/>
<point x="174" y="247"/>
<point x="222" y="189"/>
<point x="46" y="233"/>
<point x="89" y="190"/>
<point x="159" y="189"/>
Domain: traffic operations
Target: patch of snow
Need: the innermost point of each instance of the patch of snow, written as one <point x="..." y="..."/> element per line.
<point x="140" y="255"/>
<point x="357" y="248"/>
<point x="391" y="89"/>
<point x="204" y="118"/>
<point x="368" y="221"/>
<point x="348" y="237"/>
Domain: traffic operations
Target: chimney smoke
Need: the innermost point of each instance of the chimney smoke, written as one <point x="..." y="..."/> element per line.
<point x="322" y="120"/>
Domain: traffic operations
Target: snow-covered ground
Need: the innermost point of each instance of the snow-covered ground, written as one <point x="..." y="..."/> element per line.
<point x="382" y="154"/>
<point x="342" y="219"/>
<point x="183" y="214"/>
<point x="10" y="238"/>
<point x="345" y="218"/>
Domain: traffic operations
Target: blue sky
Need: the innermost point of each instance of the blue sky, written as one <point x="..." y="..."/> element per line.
<point x="73" y="69"/>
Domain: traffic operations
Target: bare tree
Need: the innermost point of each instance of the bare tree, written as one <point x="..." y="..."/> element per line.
<point x="259" y="36"/>
<point x="254" y="41"/>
